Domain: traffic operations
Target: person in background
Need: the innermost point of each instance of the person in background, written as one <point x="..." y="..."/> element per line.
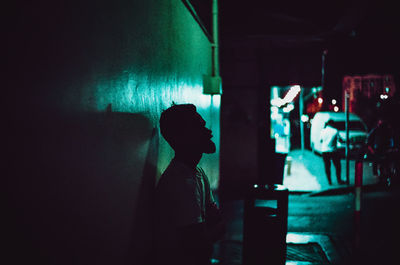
<point x="328" y="138"/>
<point x="379" y="141"/>
<point x="188" y="220"/>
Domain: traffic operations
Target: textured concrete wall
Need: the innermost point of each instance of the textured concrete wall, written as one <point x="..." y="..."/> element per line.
<point x="87" y="83"/>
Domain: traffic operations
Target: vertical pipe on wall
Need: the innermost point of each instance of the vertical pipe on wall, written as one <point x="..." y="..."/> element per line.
<point x="215" y="38"/>
<point x="215" y="68"/>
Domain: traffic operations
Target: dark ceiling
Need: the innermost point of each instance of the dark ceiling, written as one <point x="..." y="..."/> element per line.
<point x="358" y="28"/>
<point x="308" y="17"/>
<point x="366" y="31"/>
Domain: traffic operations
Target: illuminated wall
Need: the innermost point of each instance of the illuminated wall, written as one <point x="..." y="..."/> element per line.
<point x="88" y="81"/>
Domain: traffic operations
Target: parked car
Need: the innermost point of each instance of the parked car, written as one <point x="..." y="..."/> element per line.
<point x="358" y="131"/>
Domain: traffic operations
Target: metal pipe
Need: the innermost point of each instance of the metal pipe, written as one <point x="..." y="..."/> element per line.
<point x="323" y="68"/>
<point x="357" y="209"/>
<point x="215" y="38"/>
<point x="301" y="109"/>
<point x="347" y="138"/>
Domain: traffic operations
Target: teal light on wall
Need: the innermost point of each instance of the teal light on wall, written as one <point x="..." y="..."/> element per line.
<point x="216" y="101"/>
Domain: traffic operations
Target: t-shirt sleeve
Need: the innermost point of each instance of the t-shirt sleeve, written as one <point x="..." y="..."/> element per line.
<point x="207" y="188"/>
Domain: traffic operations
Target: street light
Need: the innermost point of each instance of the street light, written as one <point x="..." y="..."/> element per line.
<point x="305" y="118"/>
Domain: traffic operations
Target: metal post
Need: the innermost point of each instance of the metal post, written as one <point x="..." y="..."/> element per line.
<point x="301" y="107"/>
<point x="347" y="137"/>
<point x="357" y="208"/>
<point x="323" y="68"/>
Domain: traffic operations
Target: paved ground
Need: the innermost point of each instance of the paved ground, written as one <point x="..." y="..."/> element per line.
<point x="305" y="178"/>
<point x="304" y="172"/>
<point x="307" y="240"/>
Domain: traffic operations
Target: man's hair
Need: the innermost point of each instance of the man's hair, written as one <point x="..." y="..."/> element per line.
<point x="330" y="123"/>
<point x="173" y="121"/>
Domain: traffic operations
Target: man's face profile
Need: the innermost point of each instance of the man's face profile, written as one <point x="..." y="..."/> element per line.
<point x="200" y="135"/>
<point x="186" y="131"/>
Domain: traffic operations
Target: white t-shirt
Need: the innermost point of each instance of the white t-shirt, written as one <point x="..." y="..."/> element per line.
<point x="328" y="139"/>
<point x="181" y="200"/>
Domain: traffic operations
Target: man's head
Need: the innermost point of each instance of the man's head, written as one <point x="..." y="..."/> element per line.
<point x="184" y="129"/>
<point x="330" y="123"/>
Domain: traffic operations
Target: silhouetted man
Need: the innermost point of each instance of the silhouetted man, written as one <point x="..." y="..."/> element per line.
<point x="188" y="219"/>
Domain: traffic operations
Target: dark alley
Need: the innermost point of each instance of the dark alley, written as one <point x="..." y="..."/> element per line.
<point x="277" y="89"/>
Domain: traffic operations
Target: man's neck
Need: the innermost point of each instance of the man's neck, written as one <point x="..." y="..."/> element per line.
<point x="189" y="159"/>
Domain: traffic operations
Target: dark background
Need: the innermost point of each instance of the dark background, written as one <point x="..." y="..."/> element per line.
<point x="361" y="36"/>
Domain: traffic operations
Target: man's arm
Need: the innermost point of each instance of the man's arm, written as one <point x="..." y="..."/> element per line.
<point x="216" y="226"/>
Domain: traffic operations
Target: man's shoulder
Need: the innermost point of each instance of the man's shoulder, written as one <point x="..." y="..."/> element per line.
<point x="332" y="130"/>
<point x="176" y="172"/>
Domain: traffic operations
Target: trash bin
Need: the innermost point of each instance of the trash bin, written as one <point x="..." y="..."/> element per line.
<point x="265" y="225"/>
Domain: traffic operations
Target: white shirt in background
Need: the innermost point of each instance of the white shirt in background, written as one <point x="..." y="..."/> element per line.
<point x="328" y="139"/>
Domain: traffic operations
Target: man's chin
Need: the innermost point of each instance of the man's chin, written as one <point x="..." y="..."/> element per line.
<point x="210" y="148"/>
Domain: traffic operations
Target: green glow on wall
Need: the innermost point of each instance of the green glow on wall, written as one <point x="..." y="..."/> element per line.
<point x="216" y="101"/>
